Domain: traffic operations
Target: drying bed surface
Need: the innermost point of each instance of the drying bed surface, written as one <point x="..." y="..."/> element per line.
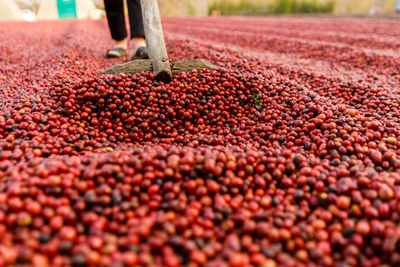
<point x="287" y="155"/>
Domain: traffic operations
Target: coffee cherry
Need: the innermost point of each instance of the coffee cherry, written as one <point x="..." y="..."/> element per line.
<point x="266" y="161"/>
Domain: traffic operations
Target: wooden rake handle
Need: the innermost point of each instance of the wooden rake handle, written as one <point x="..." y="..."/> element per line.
<point x="155" y="40"/>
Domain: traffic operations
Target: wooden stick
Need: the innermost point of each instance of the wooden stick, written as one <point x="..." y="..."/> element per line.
<point x="155" y="40"/>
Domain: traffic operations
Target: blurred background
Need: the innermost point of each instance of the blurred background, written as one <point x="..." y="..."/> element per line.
<point x="31" y="10"/>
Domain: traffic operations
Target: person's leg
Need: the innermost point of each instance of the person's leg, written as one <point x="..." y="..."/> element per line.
<point x="116" y="23"/>
<point x="138" y="49"/>
<point x="135" y="19"/>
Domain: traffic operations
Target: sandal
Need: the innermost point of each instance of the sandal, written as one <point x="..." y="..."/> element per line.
<point x="141" y="53"/>
<point x="116" y="52"/>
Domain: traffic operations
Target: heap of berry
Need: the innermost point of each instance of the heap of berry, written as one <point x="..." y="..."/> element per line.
<point x="253" y="164"/>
